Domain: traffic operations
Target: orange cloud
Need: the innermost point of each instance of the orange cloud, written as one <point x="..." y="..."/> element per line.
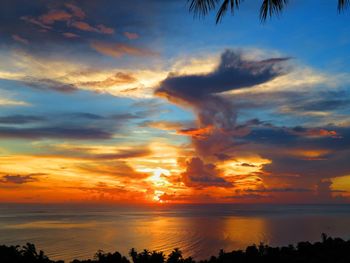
<point x="317" y="133"/>
<point x="164" y="125"/>
<point x="84" y="26"/>
<point x="327" y="133"/>
<point x="70" y="35"/>
<point x="200" y="133"/>
<point x="117" y="50"/>
<point x="77" y="11"/>
<point x="105" y="30"/>
<point x="55" y="15"/>
<point x="118" y="78"/>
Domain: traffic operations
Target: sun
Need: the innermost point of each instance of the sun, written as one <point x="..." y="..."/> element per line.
<point x="158" y="178"/>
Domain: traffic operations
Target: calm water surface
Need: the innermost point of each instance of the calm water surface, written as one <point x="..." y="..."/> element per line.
<point x="67" y="232"/>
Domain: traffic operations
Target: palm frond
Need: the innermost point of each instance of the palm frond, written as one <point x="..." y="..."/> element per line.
<point x="268" y="8"/>
<point x="202" y="7"/>
<point x="342" y="4"/>
<point x="272" y="7"/>
<point x="232" y="4"/>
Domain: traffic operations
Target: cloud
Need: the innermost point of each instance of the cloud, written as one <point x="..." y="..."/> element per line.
<point x="59" y="132"/>
<point x="105" y="30"/>
<point x="49" y="84"/>
<point x="117" y="79"/>
<point x="200" y="175"/>
<point x="247" y="197"/>
<point x="216" y="115"/>
<point x="84" y="26"/>
<point x="20" y="39"/>
<point x="18" y="179"/>
<point x="314" y="132"/>
<point x="55" y="15"/>
<point x="162" y="125"/>
<point x="279" y="190"/>
<point x="11" y="102"/>
<point x="70" y="35"/>
<point x="70" y="125"/>
<point x="118" y="50"/>
<point x="197" y="133"/>
<point x="67" y="76"/>
<point x="321" y="104"/>
<point x="71" y="14"/>
<point x="131" y="35"/>
<point x="301" y="159"/>
<point x="113" y="167"/>
<point x="77" y="11"/>
<point x="247" y="165"/>
<point x="233" y="72"/>
<point x="99" y="153"/>
<point x="36" y="22"/>
<point x="20" y="119"/>
<point x="325" y="193"/>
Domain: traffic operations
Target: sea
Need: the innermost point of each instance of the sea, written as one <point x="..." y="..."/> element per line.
<point x="69" y="231"/>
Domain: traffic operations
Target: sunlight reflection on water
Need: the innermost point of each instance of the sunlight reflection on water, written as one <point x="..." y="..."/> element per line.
<point x="67" y="232"/>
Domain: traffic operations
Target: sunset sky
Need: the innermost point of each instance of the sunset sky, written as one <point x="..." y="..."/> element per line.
<point x="138" y="102"/>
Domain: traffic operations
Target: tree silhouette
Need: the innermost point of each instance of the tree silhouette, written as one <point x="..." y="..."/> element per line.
<point x="268" y="7"/>
<point x="328" y="250"/>
<point x="175" y="256"/>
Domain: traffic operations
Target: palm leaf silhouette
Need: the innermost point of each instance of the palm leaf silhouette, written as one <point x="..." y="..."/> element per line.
<point x="268" y="8"/>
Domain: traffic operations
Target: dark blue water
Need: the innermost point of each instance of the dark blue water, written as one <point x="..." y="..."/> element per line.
<point x="78" y="231"/>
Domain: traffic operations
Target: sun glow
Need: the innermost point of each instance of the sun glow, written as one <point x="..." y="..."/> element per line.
<point x="158" y="178"/>
<point x="157" y="195"/>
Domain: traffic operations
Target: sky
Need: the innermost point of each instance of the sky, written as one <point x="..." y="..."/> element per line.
<point x="137" y="102"/>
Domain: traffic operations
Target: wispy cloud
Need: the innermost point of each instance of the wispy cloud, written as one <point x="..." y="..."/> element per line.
<point x="118" y="50"/>
<point x="12" y="102"/>
<point x="131" y="35"/>
<point x="20" y="39"/>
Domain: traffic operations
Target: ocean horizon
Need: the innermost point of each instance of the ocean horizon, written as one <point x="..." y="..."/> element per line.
<point x="69" y="231"/>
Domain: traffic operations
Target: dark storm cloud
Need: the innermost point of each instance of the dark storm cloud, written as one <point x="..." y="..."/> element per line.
<point x="328" y="137"/>
<point x="300" y="157"/>
<point x="309" y="169"/>
<point x="233" y="72"/>
<point x="216" y="115"/>
<point x="199" y="174"/>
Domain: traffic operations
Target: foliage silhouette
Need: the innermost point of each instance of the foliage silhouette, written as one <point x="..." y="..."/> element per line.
<point x="25" y="254"/>
<point x="268" y="7"/>
<point x="329" y="250"/>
